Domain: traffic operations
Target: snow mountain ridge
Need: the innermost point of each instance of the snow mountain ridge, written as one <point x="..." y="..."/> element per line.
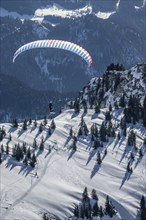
<point x="119" y="83"/>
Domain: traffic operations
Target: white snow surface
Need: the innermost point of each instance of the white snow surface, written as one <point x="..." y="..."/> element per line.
<point x="104" y="15"/>
<point x="62" y="175"/>
<point x="55" y="10"/>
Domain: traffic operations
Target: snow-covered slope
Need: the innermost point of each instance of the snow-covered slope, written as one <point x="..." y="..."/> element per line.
<point x="62" y="173"/>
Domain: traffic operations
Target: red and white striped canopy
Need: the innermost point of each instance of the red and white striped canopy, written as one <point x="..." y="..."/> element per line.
<point x="60" y="44"/>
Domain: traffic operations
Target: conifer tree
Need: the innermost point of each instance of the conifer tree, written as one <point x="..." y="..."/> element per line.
<point x="103" y="132"/>
<point x="116" y="105"/>
<point x="142" y="202"/>
<point x="2" y="148"/>
<point x="75" y="138"/>
<point x="41" y="127"/>
<point x="143" y="214"/>
<point x="76" y="211"/>
<point x="19" y="153"/>
<point x="99" y="161"/>
<point x="85" y="195"/>
<point x="94" y="194"/>
<point x="105" y="152"/>
<point x="80" y="132"/>
<point x="28" y="154"/>
<point x="96" y="143"/>
<point x="49" y="131"/>
<point x="132" y="156"/>
<point x="122" y="101"/>
<point x="53" y="125"/>
<point x="132" y="138"/>
<point x="85" y="109"/>
<point x="32" y="164"/>
<point x="109" y="208"/>
<point x="97" y="109"/>
<point x="95" y="209"/>
<point x="92" y="129"/>
<point x="131" y="101"/>
<point x="33" y="158"/>
<point x="25" y="161"/>
<point x="14" y="151"/>
<point x="10" y="137"/>
<point x="128" y="167"/>
<point x="81" y="212"/>
<point x="142" y="208"/>
<point x="96" y="133"/>
<point x="35" y="146"/>
<point x="140" y="152"/>
<point x="113" y="133"/>
<point x="144" y="103"/>
<point x="24" y="148"/>
<point x="74" y="147"/>
<point x="118" y="136"/>
<point x="85" y="129"/>
<point x="107" y="116"/>
<point x="45" y="216"/>
<point x="7" y="149"/>
<point x="24" y="125"/>
<point x="87" y="210"/>
<point x="110" y="107"/>
<point x="41" y="147"/>
<point x="71" y="132"/>
<point x="101" y="214"/>
<point x="107" y="204"/>
<point x="144" y="118"/>
<point x="1" y="135"/>
<point x="45" y="121"/>
<point x="33" y="161"/>
<point x="76" y="106"/>
<point x="35" y="123"/>
<point x="125" y="131"/>
<point x="15" y="123"/>
<point x="82" y="121"/>
<point x="30" y="121"/>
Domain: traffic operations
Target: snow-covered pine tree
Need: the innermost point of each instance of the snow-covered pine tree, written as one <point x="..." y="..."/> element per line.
<point x="53" y="125"/>
<point x="94" y="195"/>
<point x="24" y="126"/>
<point x="99" y="161"/>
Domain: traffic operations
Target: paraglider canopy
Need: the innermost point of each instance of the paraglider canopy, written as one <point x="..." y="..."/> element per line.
<point x="60" y="44"/>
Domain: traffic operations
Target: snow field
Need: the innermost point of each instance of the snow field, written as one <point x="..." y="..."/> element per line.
<point x="63" y="174"/>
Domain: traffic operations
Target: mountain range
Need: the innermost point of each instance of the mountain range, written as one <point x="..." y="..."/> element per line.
<point x="112" y="32"/>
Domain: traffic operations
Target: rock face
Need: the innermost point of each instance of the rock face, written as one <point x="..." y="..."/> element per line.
<point x="112" y="31"/>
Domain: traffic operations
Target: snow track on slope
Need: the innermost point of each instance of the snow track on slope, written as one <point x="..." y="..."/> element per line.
<point x="21" y="198"/>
